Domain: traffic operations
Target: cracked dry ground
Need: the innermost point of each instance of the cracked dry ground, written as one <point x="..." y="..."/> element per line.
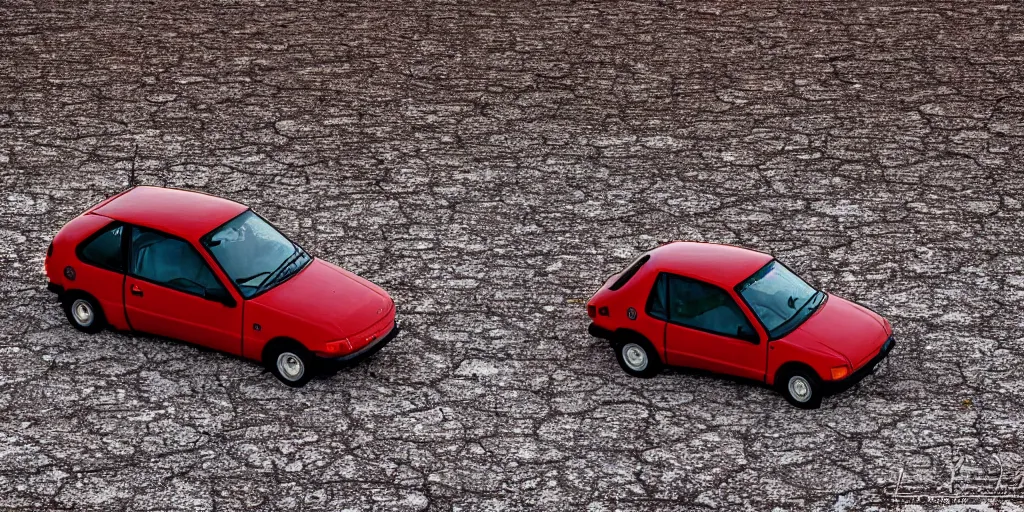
<point x="489" y="166"/>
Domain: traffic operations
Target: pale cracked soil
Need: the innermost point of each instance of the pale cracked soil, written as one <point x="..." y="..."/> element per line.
<point x="490" y="164"/>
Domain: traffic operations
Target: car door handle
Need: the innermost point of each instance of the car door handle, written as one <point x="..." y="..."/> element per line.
<point x="136" y="290"/>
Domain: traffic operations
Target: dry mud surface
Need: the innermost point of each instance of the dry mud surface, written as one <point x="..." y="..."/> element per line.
<point x="490" y="165"/>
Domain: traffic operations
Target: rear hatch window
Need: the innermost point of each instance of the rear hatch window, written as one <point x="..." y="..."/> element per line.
<point x="630" y="271"/>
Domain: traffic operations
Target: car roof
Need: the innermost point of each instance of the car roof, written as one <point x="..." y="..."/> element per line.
<point x="181" y="213"/>
<point x="719" y="264"/>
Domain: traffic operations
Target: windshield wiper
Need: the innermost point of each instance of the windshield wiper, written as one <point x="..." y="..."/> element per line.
<point x="241" y="280"/>
<point x="284" y="264"/>
<point x="279" y="272"/>
<point x="817" y="304"/>
<point x="806" y="302"/>
<point x="780" y="329"/>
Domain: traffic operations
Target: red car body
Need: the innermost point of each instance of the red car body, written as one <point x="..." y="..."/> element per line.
<point x="320" y="310"/>
<point x="838" y="341"/>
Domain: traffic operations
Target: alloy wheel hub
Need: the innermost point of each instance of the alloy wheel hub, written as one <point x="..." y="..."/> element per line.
<point x="635" y="356"/>
<point x="82" y="311"/>
<point x="290" y="366"/>
<point x="800" y="389"/>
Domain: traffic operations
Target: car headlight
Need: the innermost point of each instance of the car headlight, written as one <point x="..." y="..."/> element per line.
<point x="335" y="347"/>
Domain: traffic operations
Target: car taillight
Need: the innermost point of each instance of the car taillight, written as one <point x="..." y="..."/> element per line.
<point x="591" y="311"/>
<point x="49" y="250"/>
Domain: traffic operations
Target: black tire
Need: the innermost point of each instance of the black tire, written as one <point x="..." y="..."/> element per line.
<point x="290" y="362"/>
<point x="800" y="386"/>
<point x="637" y="356"/>
<point x="83" y="312"/>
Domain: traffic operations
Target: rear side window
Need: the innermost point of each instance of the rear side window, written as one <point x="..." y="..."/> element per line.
<point x="629" y="272"/>
<point x="104" y="249"/>
<point x="656" y="302"/>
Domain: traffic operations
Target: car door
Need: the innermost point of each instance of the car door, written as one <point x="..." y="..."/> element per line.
<point x="707" y="329"/>
<point x="171" y="291"/>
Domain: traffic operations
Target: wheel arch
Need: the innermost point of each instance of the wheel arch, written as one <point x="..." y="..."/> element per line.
<point x="72" y="294"/>
<point x="623" y="334"/>
<point x="99" y="316"/>
<point x="791" y="366"/>
<point x="282" y="342"/>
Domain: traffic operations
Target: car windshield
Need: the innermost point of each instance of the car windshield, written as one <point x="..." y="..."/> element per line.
<point x="253" y="254"/>
<point x="779" y="298"/>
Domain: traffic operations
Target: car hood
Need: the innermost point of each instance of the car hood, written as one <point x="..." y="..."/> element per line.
<point x="329" y="297"/>
<point x="848" y="329"/>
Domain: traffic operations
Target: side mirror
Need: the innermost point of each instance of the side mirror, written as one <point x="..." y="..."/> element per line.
<point x="746" y="334"/>
<point x="220" y="295"/>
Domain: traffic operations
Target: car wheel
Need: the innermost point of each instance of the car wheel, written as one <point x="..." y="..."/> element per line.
<point x="84" y="313"/>
<point x="801" y="387"/>
<point x="291" y="363"/>
<point x="637" y="357"/>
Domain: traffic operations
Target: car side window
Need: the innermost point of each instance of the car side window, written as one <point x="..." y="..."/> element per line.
<point x="658" y="298"/>
<point x="104" y="249"/>
<point x="171" y="262"/>
<point x="707" y="308"/>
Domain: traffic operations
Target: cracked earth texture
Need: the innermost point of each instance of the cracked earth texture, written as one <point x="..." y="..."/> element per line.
<point x="489" y="165"/>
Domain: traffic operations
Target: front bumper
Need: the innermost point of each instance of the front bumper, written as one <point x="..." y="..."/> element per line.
<point x="55" y="288"/>
<point x="838" y="386"/>
<point x="369" y="349"/>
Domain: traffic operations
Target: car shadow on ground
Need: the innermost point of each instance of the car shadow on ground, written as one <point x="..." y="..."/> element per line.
<point x="683" y="372"/>
<point x="844" y="389"/>
<point x="325" y="368"/>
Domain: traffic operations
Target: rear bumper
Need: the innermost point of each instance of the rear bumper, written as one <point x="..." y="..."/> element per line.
<point x="369" y="349"/>
<point x="599" y="332"/>
<point x="838" y="386"/>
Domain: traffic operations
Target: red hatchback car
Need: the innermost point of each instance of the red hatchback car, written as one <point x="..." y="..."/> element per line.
<point x="212" y="272"/>
<point x="739" y="312"/>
